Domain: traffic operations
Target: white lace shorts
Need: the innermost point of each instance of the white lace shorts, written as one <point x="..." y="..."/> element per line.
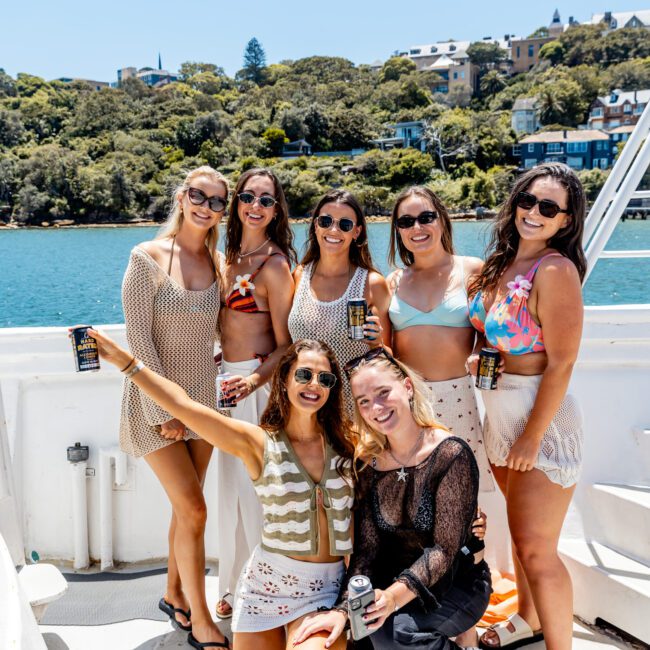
<point x="506" y="413"/>
<point x="274" y="590"/>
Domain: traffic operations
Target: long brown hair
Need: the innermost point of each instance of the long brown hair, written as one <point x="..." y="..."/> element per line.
<point x="359" y="250"/>
<point x="331" y="417"/>
<point x="504" y="241"/>
<point x="396" y="244"/>
<point x="278" y="231"/>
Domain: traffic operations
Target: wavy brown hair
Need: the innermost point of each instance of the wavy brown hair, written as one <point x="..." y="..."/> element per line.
<point x="396" y="246"/>
<point x="331" y="416"/>
<point x="278" y="231"/>
<point x="359" y="253"/>
<point x="504" y="241"/>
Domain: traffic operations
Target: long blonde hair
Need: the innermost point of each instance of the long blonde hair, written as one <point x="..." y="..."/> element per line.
<point x="371" y="442"/>
<point x="174" y="221"/>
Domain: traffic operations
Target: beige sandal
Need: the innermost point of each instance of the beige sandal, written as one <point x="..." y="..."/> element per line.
<point x="523" y="634"/>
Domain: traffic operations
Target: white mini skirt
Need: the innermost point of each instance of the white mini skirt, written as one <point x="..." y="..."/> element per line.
<point x="506" y="413"/>
<point x="274" y="590"/>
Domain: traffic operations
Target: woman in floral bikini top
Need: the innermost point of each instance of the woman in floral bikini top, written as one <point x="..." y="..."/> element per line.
<point x="527" y="303"/>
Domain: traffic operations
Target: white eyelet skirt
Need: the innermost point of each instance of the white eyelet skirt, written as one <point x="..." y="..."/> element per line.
<point x="274" y="590"/>
<point x="506" y="413"/>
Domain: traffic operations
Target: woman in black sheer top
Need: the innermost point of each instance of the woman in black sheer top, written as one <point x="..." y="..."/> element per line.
<point x="417" y="491"/>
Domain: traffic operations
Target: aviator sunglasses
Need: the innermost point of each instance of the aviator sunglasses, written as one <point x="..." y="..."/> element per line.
<point x="546" y="207"/>
<point x="197" y="197"/>
<point x="325" y="379"/>
<point x="325" y="221"/>
<point x="249" y="198"/>
<point x="424" y="218"/>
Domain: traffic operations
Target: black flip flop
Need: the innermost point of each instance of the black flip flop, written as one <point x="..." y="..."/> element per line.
<point x="206" y="644"/>
<point x="171" y="611"/>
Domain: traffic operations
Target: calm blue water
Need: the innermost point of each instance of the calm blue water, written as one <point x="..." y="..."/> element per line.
<point x="61" y="277"/>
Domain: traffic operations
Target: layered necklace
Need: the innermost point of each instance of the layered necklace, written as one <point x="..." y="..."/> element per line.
<point x="401" y="472"/>
<point x="240" y="254"/>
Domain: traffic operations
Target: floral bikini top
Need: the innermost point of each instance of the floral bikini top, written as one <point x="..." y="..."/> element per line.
<point x="508" y="325"/>
<point x="241" y="297"/>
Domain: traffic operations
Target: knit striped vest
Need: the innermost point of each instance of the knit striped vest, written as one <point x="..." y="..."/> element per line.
<point x="288" y="497"/>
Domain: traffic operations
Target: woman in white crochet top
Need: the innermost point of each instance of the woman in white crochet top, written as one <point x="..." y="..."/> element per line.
<point x="336" y="268"/>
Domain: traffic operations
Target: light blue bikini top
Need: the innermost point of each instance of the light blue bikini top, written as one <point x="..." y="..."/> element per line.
<point x="452" y="311"/>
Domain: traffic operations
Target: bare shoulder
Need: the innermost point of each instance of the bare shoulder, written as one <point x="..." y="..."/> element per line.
<point x="157" y="249"/>
<point x="377" y="281"/>
<point x="392" y="279"/>
<point x="557" y="269"/>
<point x="297" y="273"/>
<point x="473" y="265"/>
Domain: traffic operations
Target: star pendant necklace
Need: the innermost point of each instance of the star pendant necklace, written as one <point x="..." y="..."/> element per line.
<point x="240" y="254"/>
<point x="401" y="472"/>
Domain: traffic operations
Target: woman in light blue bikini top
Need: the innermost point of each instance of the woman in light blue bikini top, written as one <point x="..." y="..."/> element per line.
<point x="452" y="311"/>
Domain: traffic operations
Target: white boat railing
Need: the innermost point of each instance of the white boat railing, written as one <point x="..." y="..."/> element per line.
<point x="621" y="186"/>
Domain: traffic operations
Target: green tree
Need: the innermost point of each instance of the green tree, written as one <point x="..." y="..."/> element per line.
<point x="274" y="140"/>
<point x="486" y="55"/>
<point x="254" y="62"/>
<point x="492" y="82"/>
<point x="350" y="129"/>
<point x="552" y="51"/>
<point x="7" y="85"/>
<point x="395" y="67"/>
<point x="191" y="68"/>
<point x="629" y="75"/>
<point x="12" y="131"/>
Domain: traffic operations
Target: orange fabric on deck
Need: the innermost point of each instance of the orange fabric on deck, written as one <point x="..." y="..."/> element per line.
<point x="503" y="601"/>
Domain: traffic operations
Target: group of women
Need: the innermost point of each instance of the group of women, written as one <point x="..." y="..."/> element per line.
<point x="376" y="470"/>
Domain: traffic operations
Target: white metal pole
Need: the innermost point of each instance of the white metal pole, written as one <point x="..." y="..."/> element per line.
<point x="79" y="515"/>
<point x="617" y="175"/>
<point x="622" y="198"/>
<point x="105" y="509"/>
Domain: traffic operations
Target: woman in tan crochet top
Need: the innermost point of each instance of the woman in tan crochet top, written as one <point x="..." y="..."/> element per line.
<point x="171" y="301"/>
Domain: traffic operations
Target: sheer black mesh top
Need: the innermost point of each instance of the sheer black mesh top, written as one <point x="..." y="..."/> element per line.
<point x="413" y="530"/>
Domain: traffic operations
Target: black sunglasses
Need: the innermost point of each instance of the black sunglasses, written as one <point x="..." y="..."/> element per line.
<point x="198" y="197"/>
<point x="325" y="379"/>
<point x="407" y="221"/>
<point x="249" y="198"/>
<point x="325" y="221"/>
<point x="547" y="208"/>
<point x="369" y="356"/>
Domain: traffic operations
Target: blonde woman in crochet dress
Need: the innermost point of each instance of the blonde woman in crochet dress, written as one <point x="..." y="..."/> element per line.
<point x="170" y="296"/>
<point x="336" y="268"/>
<point x="257" y="296"/>
<point x="300" y="462"/>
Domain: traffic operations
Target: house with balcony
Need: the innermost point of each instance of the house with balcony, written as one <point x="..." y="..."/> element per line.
<point x="406" y="134"/>
<point x="618" y="109"/>
<point x="582" y="149"/>
<point x="525" y="115"/>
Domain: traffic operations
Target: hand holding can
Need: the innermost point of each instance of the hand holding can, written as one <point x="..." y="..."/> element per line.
<point x="488" y="369"/>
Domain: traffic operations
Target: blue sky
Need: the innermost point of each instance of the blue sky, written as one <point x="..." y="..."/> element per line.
<point x="56" y="38"/>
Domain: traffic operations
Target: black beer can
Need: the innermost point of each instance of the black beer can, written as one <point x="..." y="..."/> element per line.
<point x="223" y="400"/>
<point x="357" y="311"/>
<point x="86" y="354"/>
<point x="488" y="366"/>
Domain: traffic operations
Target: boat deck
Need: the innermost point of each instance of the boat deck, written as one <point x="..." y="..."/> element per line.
<point x="127" y="633"/>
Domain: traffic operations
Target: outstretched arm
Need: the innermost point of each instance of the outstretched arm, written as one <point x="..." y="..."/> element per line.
<point x="241" y="439"/>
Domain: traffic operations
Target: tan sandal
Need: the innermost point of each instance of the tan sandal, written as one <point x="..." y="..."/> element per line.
<point x="522" y="635"/>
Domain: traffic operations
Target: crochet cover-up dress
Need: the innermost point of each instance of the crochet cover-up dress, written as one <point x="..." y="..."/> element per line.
<point x="172" y="330"/>
<point x="328" y="321"/>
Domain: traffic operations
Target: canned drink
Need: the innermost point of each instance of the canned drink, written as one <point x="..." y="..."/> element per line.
<point x="223" y="401"/>
<point x="488" y="366"/>
<point x="357" y="311"/>
<point x="360" y="595"/>
<point x="86" y="353"/>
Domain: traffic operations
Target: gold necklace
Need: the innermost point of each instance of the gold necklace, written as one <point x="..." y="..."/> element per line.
<point x="240" y="254"/>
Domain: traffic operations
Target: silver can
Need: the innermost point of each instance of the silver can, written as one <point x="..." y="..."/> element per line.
<point x="223" y="400"/>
